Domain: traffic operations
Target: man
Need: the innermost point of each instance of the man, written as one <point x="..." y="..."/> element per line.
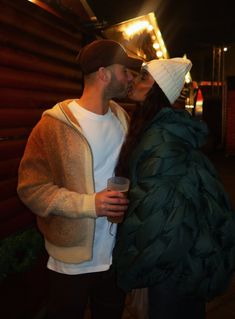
<point x="69" y="156"/>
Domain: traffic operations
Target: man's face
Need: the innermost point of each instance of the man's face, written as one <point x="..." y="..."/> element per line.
<point x="120" y="82"/>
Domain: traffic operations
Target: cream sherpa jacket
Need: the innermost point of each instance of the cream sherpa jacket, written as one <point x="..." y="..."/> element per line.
<point x="56" y="182"/>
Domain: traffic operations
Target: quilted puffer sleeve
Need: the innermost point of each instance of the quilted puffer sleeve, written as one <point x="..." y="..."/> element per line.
<point x="179" y="226"/>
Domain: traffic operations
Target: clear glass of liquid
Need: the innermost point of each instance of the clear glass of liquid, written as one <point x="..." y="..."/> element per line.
<point x="121" y="184"/>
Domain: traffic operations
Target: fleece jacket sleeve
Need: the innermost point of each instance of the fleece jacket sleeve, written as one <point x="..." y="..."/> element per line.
<point x="41" y="184"/>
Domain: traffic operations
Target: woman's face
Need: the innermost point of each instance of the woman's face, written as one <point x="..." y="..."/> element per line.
<point x="142" y="83"/>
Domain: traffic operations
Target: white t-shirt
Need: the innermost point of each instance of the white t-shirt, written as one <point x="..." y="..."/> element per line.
<point x="105" y="136"/>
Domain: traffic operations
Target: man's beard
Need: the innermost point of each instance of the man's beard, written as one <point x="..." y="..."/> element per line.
<point x="116" y="89"/>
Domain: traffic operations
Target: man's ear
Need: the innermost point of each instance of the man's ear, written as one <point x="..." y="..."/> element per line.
<point x="104" y="74"/>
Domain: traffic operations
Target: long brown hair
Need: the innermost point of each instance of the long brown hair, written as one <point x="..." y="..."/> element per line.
<point x="143" y="114"/>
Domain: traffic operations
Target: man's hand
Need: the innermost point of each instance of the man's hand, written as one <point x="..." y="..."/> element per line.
<point x="110" y="203"/>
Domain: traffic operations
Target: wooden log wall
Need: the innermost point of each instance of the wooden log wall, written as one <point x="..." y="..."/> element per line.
<point x="37" y="69"/>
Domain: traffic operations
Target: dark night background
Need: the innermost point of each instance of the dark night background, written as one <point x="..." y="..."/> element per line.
<point x="185" y="25"/>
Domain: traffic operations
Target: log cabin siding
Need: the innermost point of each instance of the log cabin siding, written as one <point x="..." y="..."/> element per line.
<point x="37" y="69"/>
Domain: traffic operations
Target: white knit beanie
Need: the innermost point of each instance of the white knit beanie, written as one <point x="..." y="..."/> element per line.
<point x="169" y="75"/>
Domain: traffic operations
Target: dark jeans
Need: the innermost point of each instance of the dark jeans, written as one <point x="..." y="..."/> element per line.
<point x="165" y="303"/>
<point x="69" y="296"/>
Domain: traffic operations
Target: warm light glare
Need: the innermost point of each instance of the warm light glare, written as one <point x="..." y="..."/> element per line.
<point x="225" y="49"/>
<point x="136" y="27"/>
<point x="159" y="34"/>
<point x="143" y="27"/>
<point x="188" y="78"/>
<point x="156" y="45"/>
<point x="159" y="54"/>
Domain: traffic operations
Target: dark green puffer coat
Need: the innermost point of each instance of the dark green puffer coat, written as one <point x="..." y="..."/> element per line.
<point x="180" y="226"/>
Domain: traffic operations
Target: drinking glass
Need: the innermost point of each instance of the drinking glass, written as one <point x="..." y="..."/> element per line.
<point x="121" y="184"/>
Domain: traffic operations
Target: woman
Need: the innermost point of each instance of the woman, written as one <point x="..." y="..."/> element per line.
<point x="178" y="237"/>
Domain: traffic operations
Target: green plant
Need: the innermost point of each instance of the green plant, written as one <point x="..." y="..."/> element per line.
<point x="19" y="251"/>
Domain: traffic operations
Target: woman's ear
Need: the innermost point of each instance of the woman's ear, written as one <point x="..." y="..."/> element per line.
<point x="104" y="74"/>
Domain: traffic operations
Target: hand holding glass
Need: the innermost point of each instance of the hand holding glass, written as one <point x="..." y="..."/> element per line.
<point x="121" y="184"/>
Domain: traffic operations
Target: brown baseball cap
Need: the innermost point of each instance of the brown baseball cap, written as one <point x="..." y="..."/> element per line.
<point x="104" y="52"/>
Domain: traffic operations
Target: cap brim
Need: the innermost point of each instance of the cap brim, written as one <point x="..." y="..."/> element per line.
<point x="133" y="64"/>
